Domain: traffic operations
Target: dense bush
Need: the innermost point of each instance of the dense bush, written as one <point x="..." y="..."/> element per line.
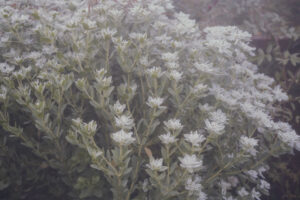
<point x="131" y="100"/>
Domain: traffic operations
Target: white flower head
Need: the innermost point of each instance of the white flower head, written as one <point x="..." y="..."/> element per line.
<point x="124" y="122"/>
<point x="155" y="102"/>
<point x="199" y="88"/>
<point x="243" y="192"/>
<point x="190" y="163"/>
<point x="155" y="72"/>
<point x="173" y="124"/>
<point x="118" y="108"/>
<point x="156" y="165"/>
<point x="5" y="68"/>
<point x="167" y="138"/>
<point x="123" y="138"/>
<point x="170" y="57"/>
<point x="175" y="75"/>
<point x="218" y="116"/>
<point x="195" y="138"/>
<point x="248" y="144"/>
<point x="193" y="185"/>
<point x="108" y="33"/>
<point x="214" y="127"/>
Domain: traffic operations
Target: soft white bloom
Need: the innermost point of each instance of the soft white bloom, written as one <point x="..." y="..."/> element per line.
<point x="205" y="67"/>
<point x="172" y="65"/>
<point x="255" y="194"/>
<point x="5" y="68"/>
<point x="3" y="92"/>
<point x="201" y="195"/>
<point x="224" y="187"/>
<point x="90" y="127"/>
<point x="123" y="138"/>
<point x="190" y="163"/>
<point x="184" y="24"/>
<point x="94" y="153"/>
<point x="193" y="185"/>
<point x="252" y="173"/>
<point x="124" y="122"/>
<point x="248" y="144"/>
<point x="218" y="116"/>
<point x="243" y="192"/>
<point x="170" y="57"/>
<point x="175" y="75"/>
<point x="173" y="124"/>
<point x="138" y="36"/>
<point x="167" y="138"/>
<point x="155" y="102"/>
<point x="264" y="185"/>
<point x="118" y="108"/>
<point x="195" y="138"/>
<point x="261" y="170"/>
<point x="156" y="165"/>
<point x="233" y="180"/>
<point x="108" y="33"/>
<point x="199" y="88"/>
<point x="214" y="127"/>
<point x="205" y="107"/>
<point x="290" y="138"/>
<point x="155" y="72"/>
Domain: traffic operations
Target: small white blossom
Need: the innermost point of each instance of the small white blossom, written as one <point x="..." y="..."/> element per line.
<point x="248" y="144"/>
<point x="118" y="108"/>
<point x="170" y="57"/>
<point x="123" y="138"/>
<point x="264" y="185"/>
<point x="195" y="138"/>
<point x="175" y="75"/>
<point x="5" y="68"/>
<point x="255" y="194"/>
<point x="218" y="116"/>
<point x="214" y="127"/>
<point x="155" y="102"/>
<point x="190" y="163"/>
<point x="243" y="192"/>
<point x="167" y="138"/>
<point x="199" y="88"/>
<point x="193" y="185"/>
<point x="156" y="165"/>
<point x="124" y="122"/>
<point x="252" y="173"/>
<point x="173" y="124"/>
<point x="155" y="72"/>
<point x="108" y="33"/>
<point x="3" y="92"/>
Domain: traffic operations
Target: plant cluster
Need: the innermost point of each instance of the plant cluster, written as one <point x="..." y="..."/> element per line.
<point x="131" y="100"/>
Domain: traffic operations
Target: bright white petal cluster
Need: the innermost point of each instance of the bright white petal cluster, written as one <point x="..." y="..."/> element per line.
<point x="175" y="75"/>
<point x="155" y="102"/>
<point x="124" y="122"/>
<point x="155" y="72"/>
<point x="156" y="165"/>
<point x="248" y="144"/>
<point x="173" y="124"/>
<point x="214" y="127"/>
<point x="123" y="138"/>
<point x="167" y="138"/>
<point x="190" y="163"/>
<point x="195" y="138"/>
<point x="118" y="108"/>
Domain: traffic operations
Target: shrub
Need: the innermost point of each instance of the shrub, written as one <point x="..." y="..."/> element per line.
<point x="131" y="100"/>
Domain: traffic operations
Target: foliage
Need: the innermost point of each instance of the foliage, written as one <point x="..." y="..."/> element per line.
<point x="96" y="119"/>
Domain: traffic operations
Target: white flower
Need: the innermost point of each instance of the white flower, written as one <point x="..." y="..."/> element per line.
<point x="118" y="108"/>
<point x="124" y="122"/>
<point x="195" y="138"/>
<point x="5" y="68"/>
<point x="108" y="33"/>
<point x="264" y="185"/>
<point x="190" y="163"/>
<point x="218" y="116"/>
<point x="243" y="192"/>
<point x="248" y="144"/>
<point x="214" y="127"/>
<point x="193" y="185"/>
<point x="173" y="124"/>
<point x="201" y="195"/>
<point x="199" y="88"/>
<point x="156" y="165"/>
<point x="155" y="102"/>
<point x="170" y="57"/>
<point x="290" y="138"/>
<point x="167" y="138"/>
<point x="255" y="195"/>
<point x="123" y="138"/>
<point x="205" y="67"/>
<point x="3" y="92"/>
<point x="175" y="75"/>
<point x="155" y="72"/>
<point x="252" y="173"/>
<point x="94" y="153"/>
<point x="224" y="187"/>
